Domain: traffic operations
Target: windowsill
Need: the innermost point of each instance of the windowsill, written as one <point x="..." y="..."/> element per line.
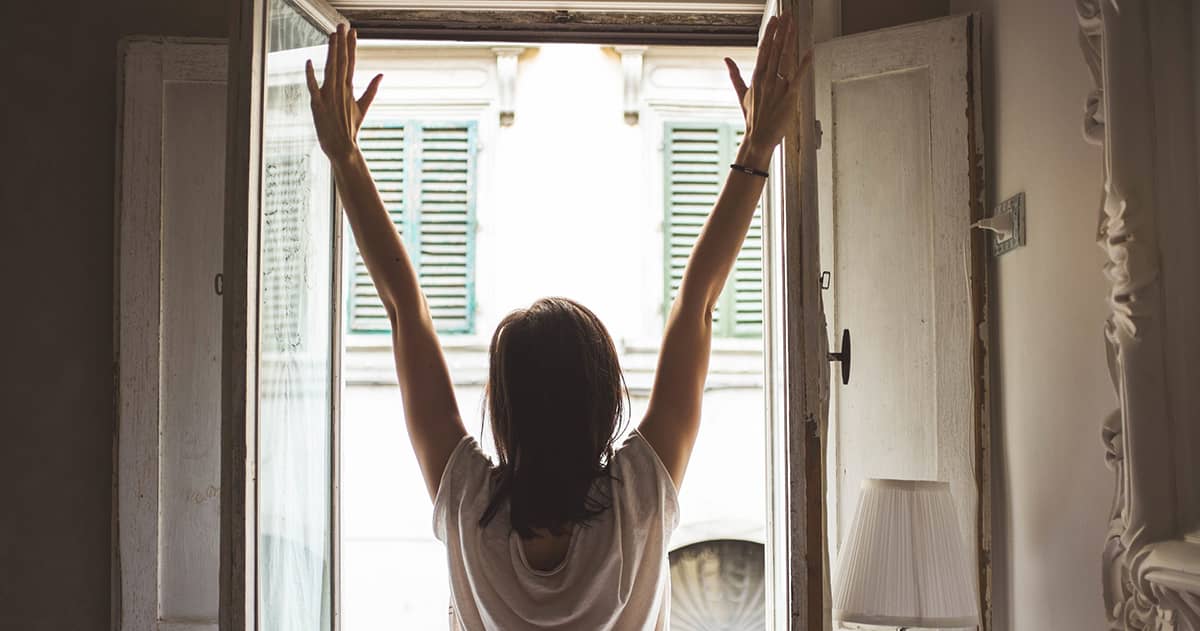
<point x="736" y="362"/>
<point x="369" y="342"/>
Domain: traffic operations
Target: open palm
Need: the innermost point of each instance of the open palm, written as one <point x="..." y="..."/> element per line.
<point x="337" y="115"/>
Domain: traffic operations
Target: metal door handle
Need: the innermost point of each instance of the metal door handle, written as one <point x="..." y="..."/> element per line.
<point x="843" y="356"/>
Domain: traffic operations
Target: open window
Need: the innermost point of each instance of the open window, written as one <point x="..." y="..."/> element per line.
<point x="285" y="307"/>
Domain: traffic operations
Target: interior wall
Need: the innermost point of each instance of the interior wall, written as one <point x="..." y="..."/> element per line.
<point x="868" y="15"/>
<point x="1051" y="490"/>
<point x="56" y="243"/>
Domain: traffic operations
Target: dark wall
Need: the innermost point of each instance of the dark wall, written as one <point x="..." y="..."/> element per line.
<point x="57" y="142"/>
<point x="868" y="15"/>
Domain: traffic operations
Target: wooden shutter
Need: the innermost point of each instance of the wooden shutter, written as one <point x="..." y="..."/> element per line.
<point x="446" y="207"/>
<point x="745" y="297"/>
<point x="385" y="148"/>
<point x="693" y="155"/>
<point x="426" y="176"/>
<point x="697" y="157"/>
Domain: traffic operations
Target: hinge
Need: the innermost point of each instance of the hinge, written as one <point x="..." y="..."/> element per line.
<point x="820" y="132"/>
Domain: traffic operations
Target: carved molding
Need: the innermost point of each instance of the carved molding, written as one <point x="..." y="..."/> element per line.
<point x="1150" y="571"/>
<point x="631" y="69"/>
<point x="506" y="77"/>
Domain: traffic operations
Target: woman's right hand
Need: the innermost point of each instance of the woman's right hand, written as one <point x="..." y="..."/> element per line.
<point x="771" y="103"/>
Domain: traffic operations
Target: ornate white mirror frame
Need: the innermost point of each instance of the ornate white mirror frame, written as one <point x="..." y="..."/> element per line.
<point x="1144" y="60"/>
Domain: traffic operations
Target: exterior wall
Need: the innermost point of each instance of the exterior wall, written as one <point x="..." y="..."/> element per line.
<point x="1051" y="491"/>
<point x="56" y="456"/>
<point x="570" y="203"/>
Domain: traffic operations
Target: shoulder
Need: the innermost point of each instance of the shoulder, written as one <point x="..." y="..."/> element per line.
<point x="642" y="476"/>
<point x="465" y="482"/>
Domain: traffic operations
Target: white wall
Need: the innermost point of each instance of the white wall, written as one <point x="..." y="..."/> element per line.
<point x="1051" y="491"/>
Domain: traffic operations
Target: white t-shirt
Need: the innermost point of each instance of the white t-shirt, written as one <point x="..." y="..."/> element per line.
<point x="615" y="573"/>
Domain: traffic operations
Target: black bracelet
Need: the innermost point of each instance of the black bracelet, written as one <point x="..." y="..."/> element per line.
<point x="745" y="169"/>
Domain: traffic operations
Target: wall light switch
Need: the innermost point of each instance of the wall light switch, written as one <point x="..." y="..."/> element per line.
<point x="1007" y="225"/>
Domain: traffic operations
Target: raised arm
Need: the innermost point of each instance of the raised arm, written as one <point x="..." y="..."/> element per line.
<point x="430" y="409"/>
<point x="770" y="105"/>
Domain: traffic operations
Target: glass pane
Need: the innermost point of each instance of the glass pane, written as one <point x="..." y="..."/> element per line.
<point x="295" y="319"/>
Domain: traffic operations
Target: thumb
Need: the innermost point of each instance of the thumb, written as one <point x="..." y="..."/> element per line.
<point x="369" y="94"/>
<point x="314" y="90"/>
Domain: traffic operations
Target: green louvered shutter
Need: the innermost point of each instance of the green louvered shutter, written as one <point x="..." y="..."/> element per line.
<point x="426" y="177"/>
<point x="697" y="157"/>
<point x="745" y="298"/>
<point x="693" y="155"/>
<point x="385" y="148"/>
<point x="446" y="207"/>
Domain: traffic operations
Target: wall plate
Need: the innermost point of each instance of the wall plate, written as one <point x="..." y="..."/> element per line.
<point x="1014" y="206"/>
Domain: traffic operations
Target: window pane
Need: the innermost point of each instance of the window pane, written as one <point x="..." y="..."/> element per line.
<point x="294" y="422"/>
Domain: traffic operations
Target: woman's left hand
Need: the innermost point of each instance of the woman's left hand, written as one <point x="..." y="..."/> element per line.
<point x="337" y="115"/>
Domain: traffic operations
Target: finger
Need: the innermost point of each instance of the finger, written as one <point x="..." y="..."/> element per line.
<point x="806" y="61"/>
<point x="340" y="77"/>
<point x="735" y="75"/>
<point x="789" y="55"/>
<point x="314" y="90"/>
<point x="777" y="47"/>
<point x="352" y="52"/>
<point x="330" y="53"/>
<point x="369" y="95"/>
<point x="764" y="48"/>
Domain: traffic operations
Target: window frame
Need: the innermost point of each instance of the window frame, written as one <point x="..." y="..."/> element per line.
<point x="794" y="347"/>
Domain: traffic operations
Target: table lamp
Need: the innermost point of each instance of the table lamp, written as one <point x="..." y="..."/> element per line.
<point x="902" y="564"/>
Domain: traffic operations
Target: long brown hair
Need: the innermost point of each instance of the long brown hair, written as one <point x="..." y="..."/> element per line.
<point x="557" y="400"/>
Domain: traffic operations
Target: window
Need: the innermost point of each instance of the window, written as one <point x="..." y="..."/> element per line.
<point x="426" y="177"/>
<point x="696" y="158"/>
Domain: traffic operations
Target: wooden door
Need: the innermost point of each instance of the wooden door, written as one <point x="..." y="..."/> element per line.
<point x="169" y="332"/>
<point x="898" y="194"/>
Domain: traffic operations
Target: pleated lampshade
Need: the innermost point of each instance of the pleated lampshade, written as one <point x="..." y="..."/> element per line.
<point x="903" y="563"/>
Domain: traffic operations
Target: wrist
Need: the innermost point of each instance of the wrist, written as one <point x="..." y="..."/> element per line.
<point x="755" y="154"/>
<point x="348" y="159"/>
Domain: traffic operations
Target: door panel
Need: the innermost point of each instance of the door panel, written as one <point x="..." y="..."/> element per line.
<point x="896" y="205"/>
<point x="279" y="562"/>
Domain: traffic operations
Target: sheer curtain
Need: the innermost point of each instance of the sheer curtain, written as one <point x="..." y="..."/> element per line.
<point x="296" y="328"/>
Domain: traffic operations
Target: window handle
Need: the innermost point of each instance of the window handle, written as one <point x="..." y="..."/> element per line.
<point x="843" y="356"/>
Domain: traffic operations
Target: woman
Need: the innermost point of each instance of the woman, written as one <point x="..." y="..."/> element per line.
<point x="565" y="532"/>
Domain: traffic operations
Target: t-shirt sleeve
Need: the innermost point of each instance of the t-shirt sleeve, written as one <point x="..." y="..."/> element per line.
<point x="646" y="482"/>
<point x="464" y="484"/>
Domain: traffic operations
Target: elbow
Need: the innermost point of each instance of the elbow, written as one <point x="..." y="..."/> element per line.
<point x="403" y="318"/>
<point x="698" y="305"/>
